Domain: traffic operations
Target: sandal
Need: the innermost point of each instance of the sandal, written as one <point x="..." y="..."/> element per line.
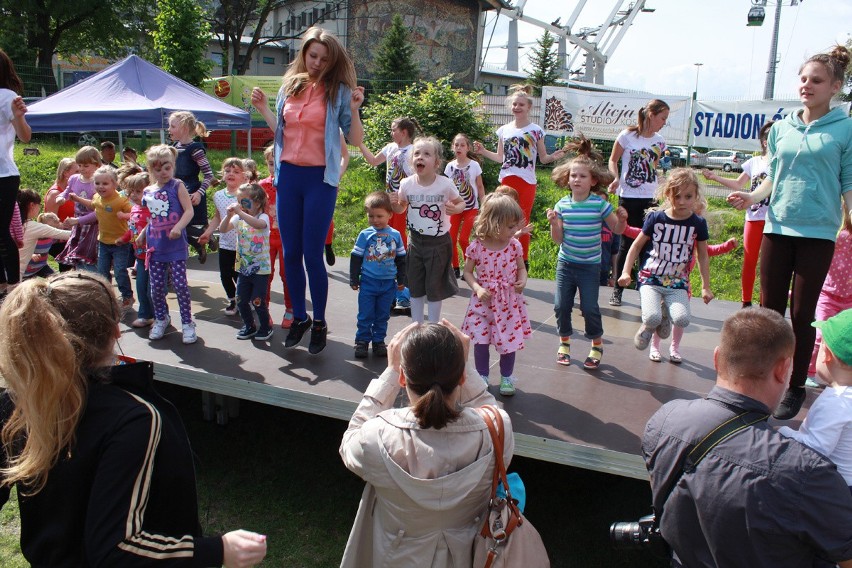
<point x="675" y="358"/>
<point x="563" y="356"/>
<point x="593" y="361"/>
<point x="655" y="356"/>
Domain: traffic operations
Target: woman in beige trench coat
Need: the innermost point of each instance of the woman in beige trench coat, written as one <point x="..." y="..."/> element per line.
<point x="429" y="465"/>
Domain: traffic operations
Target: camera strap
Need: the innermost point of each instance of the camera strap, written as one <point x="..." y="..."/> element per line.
<point x="722" y="432"/>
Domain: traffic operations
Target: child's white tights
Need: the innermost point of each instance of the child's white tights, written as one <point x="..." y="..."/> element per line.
<point x="417" y="305"/>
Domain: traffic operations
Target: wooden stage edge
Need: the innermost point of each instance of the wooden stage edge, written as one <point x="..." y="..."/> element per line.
<point x="535" y="447"/>
<point x="561" y="414"/>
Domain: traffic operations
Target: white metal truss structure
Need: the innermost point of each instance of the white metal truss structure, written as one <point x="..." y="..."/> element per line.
<point x="595" y="45"/>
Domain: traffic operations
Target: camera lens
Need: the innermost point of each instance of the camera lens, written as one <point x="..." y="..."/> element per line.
<point x="625" y="534"/>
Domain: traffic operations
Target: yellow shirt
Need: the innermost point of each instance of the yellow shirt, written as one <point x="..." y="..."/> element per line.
<point x="110" y="227"/>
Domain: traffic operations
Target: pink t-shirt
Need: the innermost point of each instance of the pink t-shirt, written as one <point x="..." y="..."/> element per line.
<point x="304" y="130"/>
<point x="838" y="282"/>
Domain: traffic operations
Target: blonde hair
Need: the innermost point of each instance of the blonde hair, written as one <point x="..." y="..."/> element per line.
<point x="495" y="212"/>
<point x="268" y="152"/>
<point x="48" y="218"/>
<point x="188" y="120"/>
<point x="520" y="90"/>
<point x="679" y="179"/>
<point x="107" y="171"/>
<point x="161" y="154"/>
<point x="587" y="156"/>
<point x="250" y="166"/>
<point x="88" y="155"/>
<point x="65" y="164"/>
<point x="75" y="314"/>
<point x="339" y="67"/>
<point x="437" y="148"/>
<point x="846" y="225"/>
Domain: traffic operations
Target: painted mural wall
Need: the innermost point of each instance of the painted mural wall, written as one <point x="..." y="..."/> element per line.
<point x="443" y="32"/>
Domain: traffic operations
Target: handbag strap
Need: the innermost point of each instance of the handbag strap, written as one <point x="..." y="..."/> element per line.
<point x="494" y="421"/>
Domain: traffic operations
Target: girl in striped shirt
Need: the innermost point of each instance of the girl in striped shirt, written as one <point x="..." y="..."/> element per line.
<point x="575" y="225"/>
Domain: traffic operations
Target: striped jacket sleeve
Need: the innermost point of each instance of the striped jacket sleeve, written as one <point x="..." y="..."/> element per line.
<point x="115" y="529"/>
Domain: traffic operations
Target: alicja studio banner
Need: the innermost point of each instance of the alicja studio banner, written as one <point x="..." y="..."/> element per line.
<point x="601" y="116"/>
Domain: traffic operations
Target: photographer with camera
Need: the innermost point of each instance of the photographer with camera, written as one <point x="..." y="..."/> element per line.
<point x="750" y="497"/>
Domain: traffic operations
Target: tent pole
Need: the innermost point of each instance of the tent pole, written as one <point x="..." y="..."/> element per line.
<point x="249" y="143"/>
<point x="120" y="143"/>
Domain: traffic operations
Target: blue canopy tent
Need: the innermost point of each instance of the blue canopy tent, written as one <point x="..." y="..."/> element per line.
<point x="131" y="94"/>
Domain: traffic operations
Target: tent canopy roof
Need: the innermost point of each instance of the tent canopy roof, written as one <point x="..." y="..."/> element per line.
<point x="131" y="94"/>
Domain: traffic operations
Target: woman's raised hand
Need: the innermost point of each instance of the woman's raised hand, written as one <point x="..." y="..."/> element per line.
<point x="465" y="340"/>
<point x="395" y="346"/>
<point x="357" y="98"/>
<point x="259" y="99"/>
<point x="739" y="199"/>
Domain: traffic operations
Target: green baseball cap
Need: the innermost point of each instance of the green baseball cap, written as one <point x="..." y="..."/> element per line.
<point x="837" y="334"/>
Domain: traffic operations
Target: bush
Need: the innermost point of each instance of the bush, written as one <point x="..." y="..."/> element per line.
<point x="441" y="110"/>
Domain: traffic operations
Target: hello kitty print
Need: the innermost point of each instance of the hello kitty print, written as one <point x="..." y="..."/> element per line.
<point x="166" y="211"/>
<point x="427" y="205"/>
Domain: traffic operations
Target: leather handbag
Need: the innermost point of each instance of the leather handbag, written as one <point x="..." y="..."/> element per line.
<point x="507" y="538"/>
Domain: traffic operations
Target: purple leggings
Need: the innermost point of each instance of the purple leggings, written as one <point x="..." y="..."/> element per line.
<point x="480" y="360"/>
<point x="159" y="272"/>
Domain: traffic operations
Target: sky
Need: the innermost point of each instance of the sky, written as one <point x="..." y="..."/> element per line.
<point x="658" y="53"/>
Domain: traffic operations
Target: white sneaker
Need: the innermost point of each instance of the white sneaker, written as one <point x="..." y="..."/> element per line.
<point x="158" y="330"/>
<point x="189" y="335"/>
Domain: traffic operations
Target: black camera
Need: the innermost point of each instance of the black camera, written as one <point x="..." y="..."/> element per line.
<point x="644" y="533"/>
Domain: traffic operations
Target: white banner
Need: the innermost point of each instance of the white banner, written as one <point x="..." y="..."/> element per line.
<point x="735" y="125"/>
<point x="601" y="116"/>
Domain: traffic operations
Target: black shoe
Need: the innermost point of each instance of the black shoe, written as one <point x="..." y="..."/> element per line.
<point x="615" y="299"/>
<point x="380" y="349"/>
<point x="319" y="331"/>
<point x="202" y="254"/>
<point x="457" y="272"/>
<point x="329" y="255"/>
<point x="746" y="305"/>
<point x="297" y="330"/>
<point x="361" y="350"/>
<point x="791" y="404"/>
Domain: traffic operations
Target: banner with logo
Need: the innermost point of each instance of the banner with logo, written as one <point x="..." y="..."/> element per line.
<point x="735" y="125"/>
<point x="236" y="90"/>
<point x="601" y="116"/>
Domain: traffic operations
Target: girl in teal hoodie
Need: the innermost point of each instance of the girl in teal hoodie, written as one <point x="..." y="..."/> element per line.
<point x="810" y="170"/>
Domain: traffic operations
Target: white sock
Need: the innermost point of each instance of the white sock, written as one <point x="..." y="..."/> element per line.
<point x="434" y="311"/>
<point x="417" y="305"/>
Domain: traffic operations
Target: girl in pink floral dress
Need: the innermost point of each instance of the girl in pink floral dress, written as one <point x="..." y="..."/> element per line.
<point x="497" y="314"/>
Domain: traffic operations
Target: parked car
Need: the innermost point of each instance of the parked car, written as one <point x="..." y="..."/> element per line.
<point x="679" y="153"/>
<point x="726" y="160"/>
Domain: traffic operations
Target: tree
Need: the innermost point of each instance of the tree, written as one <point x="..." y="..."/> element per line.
<point x="394" y="63"/>
<point x="75" y="28"/>
<point x="545" y="63"/>
<point x="441" y="110"/>
<point x="180" y="40"/>
<point x="229" y="19"/>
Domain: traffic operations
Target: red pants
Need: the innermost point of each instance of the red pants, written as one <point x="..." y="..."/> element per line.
<point x="752" y="237"/>
<point x="460" y="226"/>
<point x="276" y="253"/>
<point x="399" y="221"/>
<point x="526" y="198"/>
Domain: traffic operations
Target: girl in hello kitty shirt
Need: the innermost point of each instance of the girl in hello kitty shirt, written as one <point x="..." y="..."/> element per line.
<point x="171" y="211"/>
<point x="429" y="199"/>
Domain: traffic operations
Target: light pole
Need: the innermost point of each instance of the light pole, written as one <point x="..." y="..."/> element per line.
<point x="689" y="137"/>
<point x="697" y="71"/>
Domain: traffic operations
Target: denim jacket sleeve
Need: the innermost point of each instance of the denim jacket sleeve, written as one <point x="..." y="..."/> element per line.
<point x="338" y="117"/>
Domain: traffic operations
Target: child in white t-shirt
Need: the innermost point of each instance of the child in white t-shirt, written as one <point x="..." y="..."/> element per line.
<point x="429" y="199"/>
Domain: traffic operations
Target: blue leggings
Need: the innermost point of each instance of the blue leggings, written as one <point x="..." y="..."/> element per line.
<point x="305" y="209"/>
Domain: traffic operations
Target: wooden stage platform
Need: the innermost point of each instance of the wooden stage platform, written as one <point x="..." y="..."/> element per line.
<point x="567" y="415"/>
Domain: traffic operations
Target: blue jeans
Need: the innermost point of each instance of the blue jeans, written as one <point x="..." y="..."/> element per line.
<point x="251" y="291"/>
<point x="375" y="298"/>
<point x="571" y="276"/>
<point x="143" y="291"/>
<point x="305" y="208"/>
<point x="117" y="256"/>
